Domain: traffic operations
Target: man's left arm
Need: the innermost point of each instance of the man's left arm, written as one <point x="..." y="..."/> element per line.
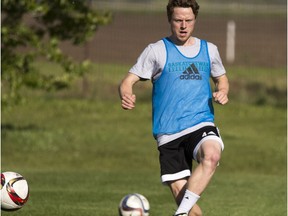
<point x="222" y="89"/>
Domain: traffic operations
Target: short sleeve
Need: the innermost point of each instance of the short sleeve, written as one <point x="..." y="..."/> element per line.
<point x="217" y="68"/>
<point x="145" y="65"/>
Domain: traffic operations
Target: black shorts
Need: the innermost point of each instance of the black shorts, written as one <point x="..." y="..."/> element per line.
<point x="176" y="156"/>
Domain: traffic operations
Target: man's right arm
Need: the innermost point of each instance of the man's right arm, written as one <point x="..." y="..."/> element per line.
<point x="128" y="99"/>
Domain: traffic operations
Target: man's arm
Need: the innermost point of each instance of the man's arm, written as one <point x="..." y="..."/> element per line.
<point x="222" y="89"/>
<point x="128" y="99"/>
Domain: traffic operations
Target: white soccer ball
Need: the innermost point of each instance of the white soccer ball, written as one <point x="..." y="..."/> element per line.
<point x="134" y="205"/>
<point x="14" y="191"/>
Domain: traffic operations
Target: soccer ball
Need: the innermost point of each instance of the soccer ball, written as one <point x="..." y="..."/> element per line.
<point x="134" y="205"/>
<point x="14" y="191"/>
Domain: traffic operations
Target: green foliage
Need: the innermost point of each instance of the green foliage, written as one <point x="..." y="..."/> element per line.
<point x="33" y="29"/>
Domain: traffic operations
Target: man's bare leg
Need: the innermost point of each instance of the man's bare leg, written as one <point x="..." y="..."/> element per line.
<point x="178" y="189"/>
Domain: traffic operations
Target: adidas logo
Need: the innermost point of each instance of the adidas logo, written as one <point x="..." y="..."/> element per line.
<point x="191" y="73"/>
<point x="210" y="133"/>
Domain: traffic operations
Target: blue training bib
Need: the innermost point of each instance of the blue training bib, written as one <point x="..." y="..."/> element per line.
<point x="182" y="95"/>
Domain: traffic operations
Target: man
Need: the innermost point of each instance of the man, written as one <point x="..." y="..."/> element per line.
<point x="180" y="67"/>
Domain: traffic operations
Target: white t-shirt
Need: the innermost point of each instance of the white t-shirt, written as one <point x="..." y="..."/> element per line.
<point x="152" y="60"/>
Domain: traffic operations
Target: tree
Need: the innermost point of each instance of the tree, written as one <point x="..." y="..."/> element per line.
<point x="37" y="27"/>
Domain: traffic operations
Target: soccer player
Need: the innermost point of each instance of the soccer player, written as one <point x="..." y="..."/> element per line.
<point x="180" y="67"/>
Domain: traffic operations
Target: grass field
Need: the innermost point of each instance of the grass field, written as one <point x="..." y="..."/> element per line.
<point x="81" y="153"/>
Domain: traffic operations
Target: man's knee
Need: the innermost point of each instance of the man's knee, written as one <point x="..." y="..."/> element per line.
<point x="210" y="154"/>
<point x="212" y="159"/>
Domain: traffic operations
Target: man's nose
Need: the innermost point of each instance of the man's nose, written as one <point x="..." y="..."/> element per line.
<point x="183" y="24"/>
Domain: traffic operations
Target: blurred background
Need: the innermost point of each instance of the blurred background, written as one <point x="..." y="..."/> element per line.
<point x="260" y="30"/>
<point x="63" y="129"/>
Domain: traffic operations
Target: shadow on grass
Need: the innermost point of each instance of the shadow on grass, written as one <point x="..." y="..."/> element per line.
<point x="11" y="127"/>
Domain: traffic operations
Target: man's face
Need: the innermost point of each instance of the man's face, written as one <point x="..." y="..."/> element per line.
<point x="182" y="25"/>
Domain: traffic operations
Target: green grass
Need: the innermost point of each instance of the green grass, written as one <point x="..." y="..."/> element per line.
<point x="260" y="86"/>
<point x="81" y="153"/>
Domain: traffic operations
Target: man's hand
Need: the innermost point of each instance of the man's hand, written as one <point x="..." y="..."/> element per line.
<point x="222" y="88"/>
<point x="220" y="97"/>
<point x="128" y="101"/>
